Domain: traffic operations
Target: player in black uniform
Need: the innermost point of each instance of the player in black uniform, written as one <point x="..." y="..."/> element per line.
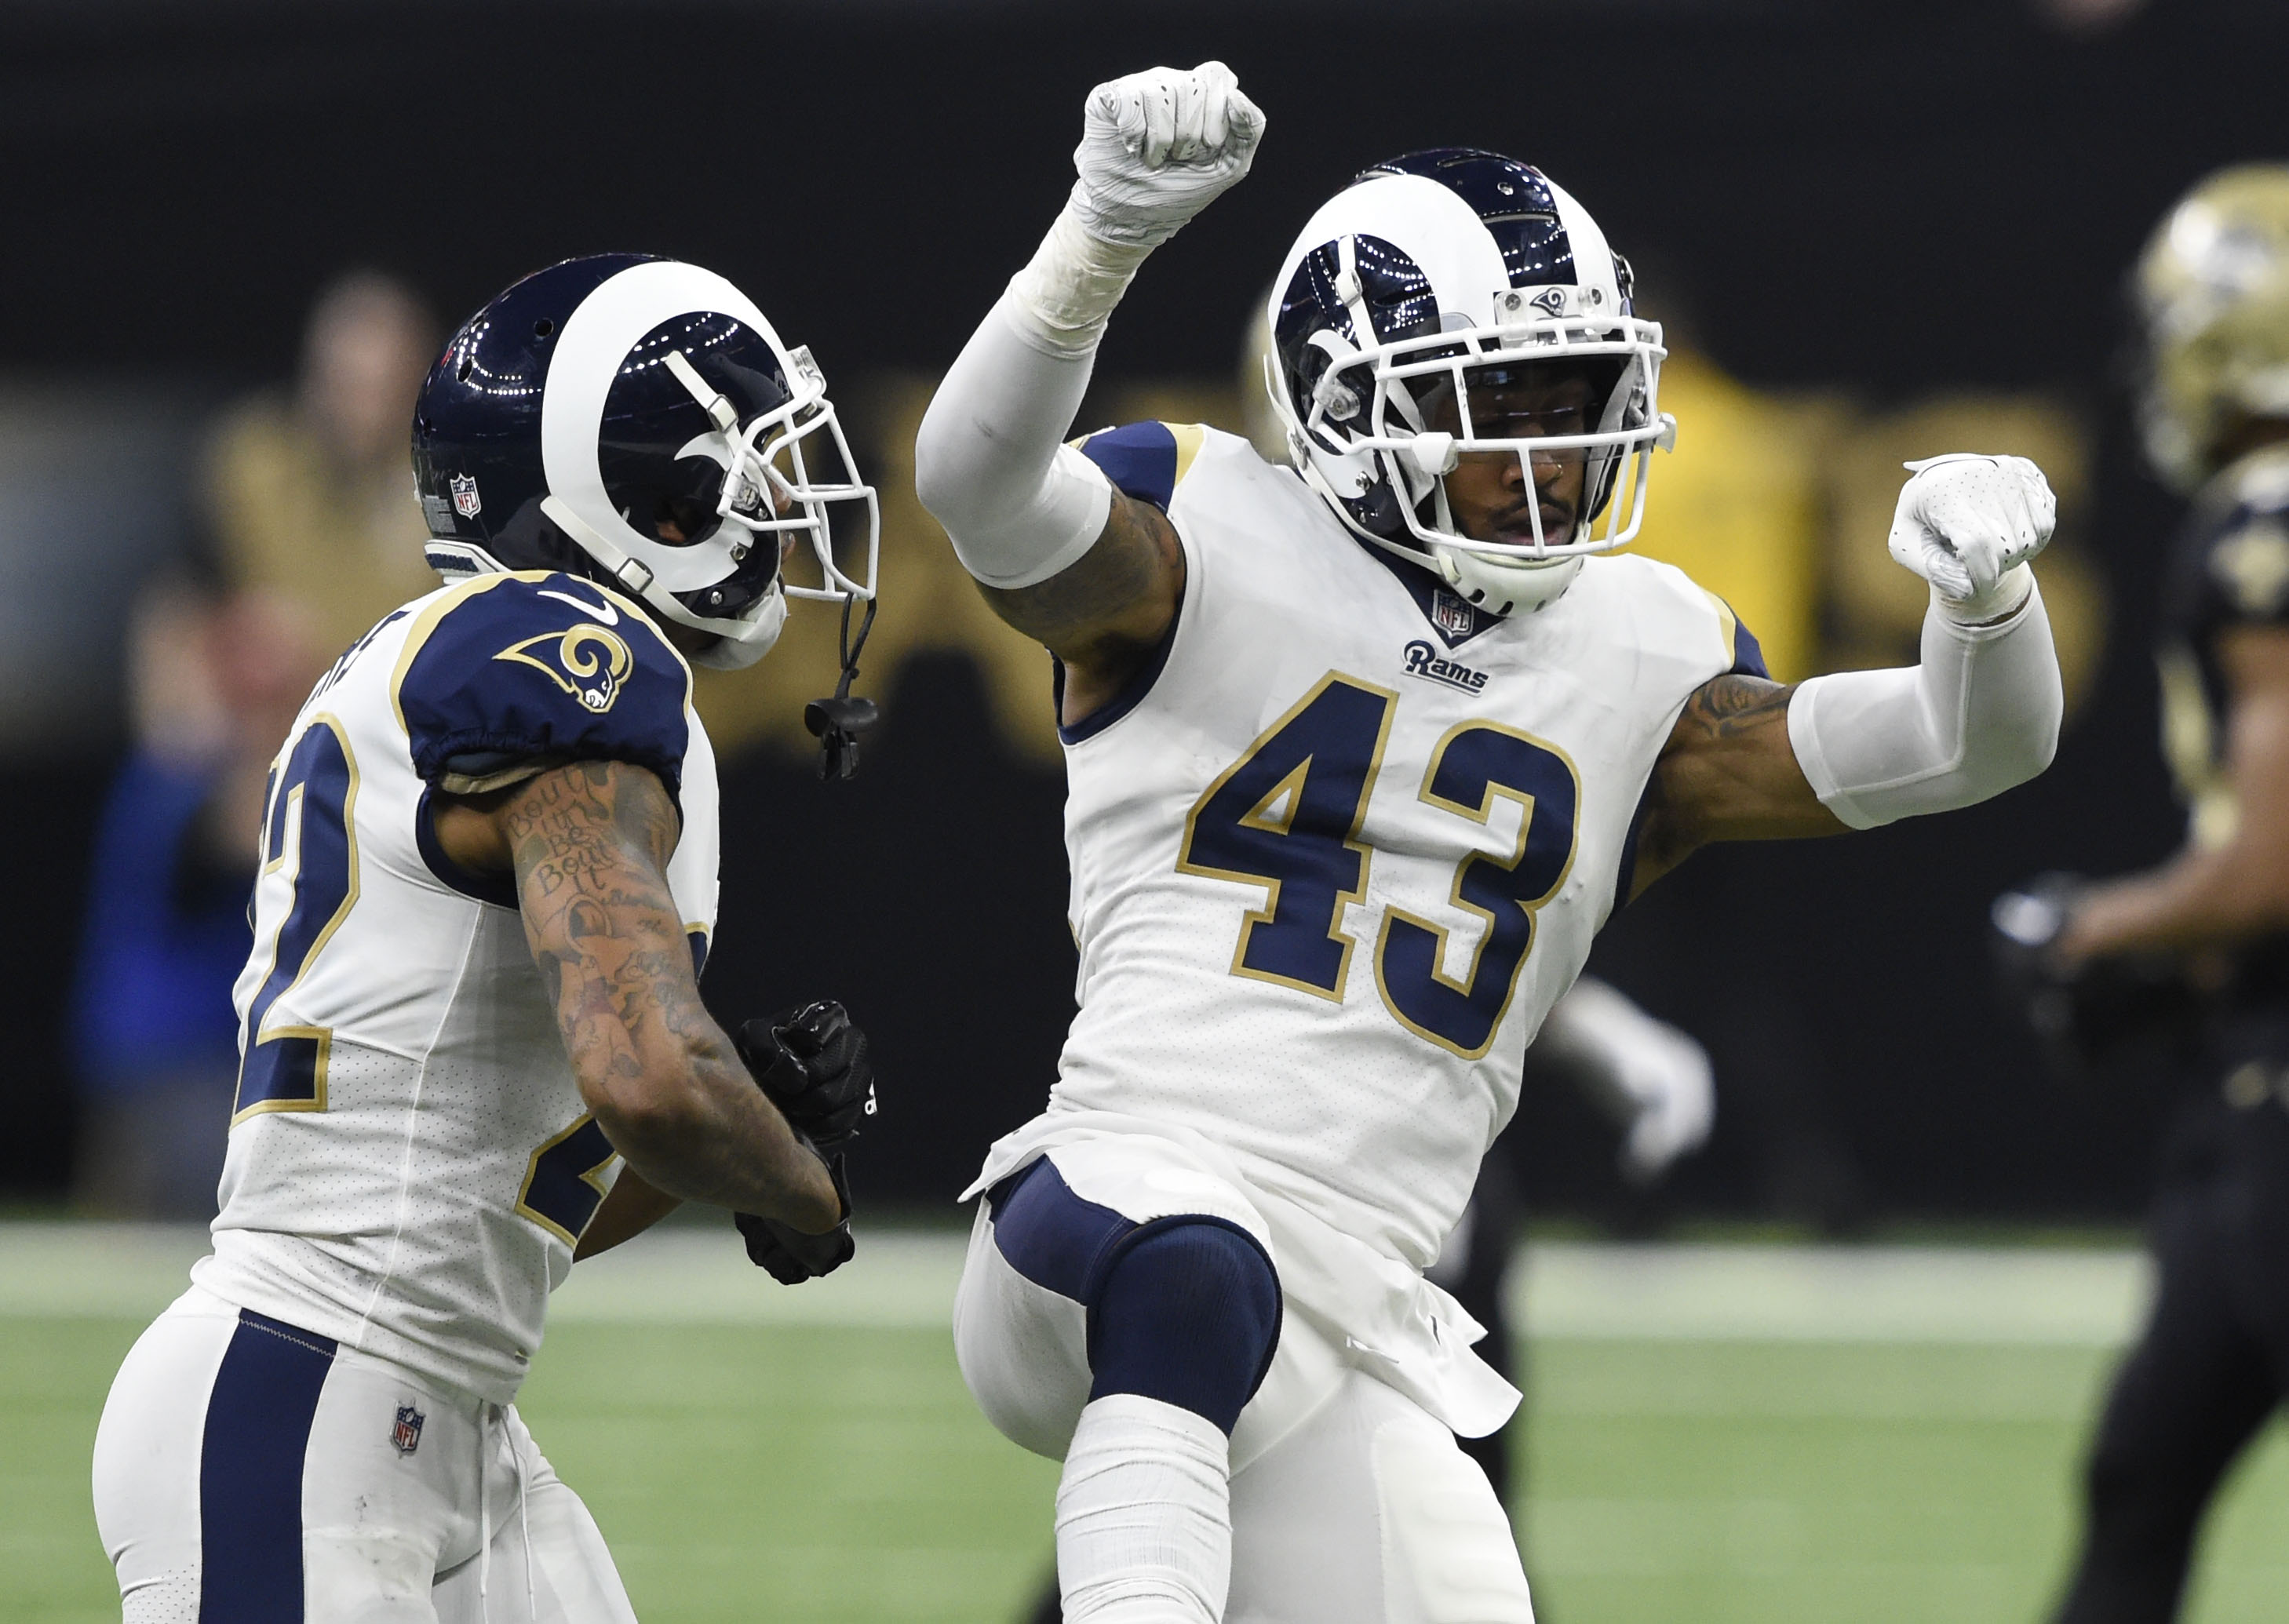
<point x="2213" y="1361"/>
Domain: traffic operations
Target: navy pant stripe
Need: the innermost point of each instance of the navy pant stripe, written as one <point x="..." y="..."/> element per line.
<point x="258" y="1430"/>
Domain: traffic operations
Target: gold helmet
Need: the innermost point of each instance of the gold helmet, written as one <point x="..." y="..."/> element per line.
<point x="2213" y="291"/>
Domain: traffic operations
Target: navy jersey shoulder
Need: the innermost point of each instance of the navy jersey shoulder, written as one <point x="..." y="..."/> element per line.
<point x="2231" y="566"/>
<point x="1146" y="461"/>
<point x="512" y="669"/>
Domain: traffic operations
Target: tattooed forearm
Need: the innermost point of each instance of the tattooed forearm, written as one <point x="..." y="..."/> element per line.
<point x="590" y="844"/>
<point x="1727" y="773"/>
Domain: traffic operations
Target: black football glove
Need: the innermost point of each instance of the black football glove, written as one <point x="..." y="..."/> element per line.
<point x="2081" y="1013"/>
<point x="793" y="1256"/>
<point x="811" y="1064"/>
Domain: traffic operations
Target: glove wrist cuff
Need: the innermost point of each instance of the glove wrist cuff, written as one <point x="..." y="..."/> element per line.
<point x="1062" y="300"/>
<point x="1992" y="610"/>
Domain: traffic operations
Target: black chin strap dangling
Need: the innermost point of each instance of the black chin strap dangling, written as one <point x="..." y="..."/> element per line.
<point x="837" y="722"/>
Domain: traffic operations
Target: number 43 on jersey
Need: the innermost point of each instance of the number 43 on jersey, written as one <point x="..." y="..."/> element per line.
<point x="1287" y="817"/>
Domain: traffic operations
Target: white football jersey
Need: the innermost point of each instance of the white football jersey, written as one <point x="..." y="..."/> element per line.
<point x="409" y="1161"/>
<point x="1339" y="850"/>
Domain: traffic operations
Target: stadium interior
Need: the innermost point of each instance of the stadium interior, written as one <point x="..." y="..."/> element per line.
<point x="1840" y="1363"/>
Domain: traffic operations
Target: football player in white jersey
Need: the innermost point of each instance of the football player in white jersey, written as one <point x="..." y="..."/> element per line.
<point x="473" y="1043"/>
<point x="1362" y="753"/>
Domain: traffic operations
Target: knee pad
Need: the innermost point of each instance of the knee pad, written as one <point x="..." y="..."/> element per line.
<point x="1188" y="1313"/>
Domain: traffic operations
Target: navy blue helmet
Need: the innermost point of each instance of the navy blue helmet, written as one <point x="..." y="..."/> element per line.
<point x="1446" y="270"/>
<point x="637" y="421"/>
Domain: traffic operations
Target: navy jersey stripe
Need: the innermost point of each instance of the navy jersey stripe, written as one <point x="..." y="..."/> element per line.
<point x="1626" y="874"/>
<point x="1453" y="617"/>
<point x="258" y="1428"/>
<point x="1748" y="653"/>
<point x="1143" y="461"/>
<point x="1748" y="661"/>
<point x="1140" y="460"/>
<point x="1131" y="694"/>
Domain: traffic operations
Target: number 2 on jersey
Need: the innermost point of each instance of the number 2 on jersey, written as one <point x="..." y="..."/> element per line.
<point x="564" y="1179"/>
<point x="1286" y="816"/>
<point x="307" y="823"/>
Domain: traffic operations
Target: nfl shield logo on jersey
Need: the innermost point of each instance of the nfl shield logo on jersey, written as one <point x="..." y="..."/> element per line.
<point x="1449" y="613"/>
<point x="465" y="496"/>
<point x="407" y="1433"/>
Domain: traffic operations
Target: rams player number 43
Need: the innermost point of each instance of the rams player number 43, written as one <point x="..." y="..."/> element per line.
<point x="473" y="1045"/>
<point x="1362" y="751"/>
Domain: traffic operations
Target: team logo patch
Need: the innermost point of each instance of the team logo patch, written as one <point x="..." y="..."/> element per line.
<point x="466" y="500"/>
<point x="1450" y="614"/>
<point x="1550" y="301"/>
<point x="587" y="662"/>
<point x="407" y="1433"/>
<point x="1426" y="661"/>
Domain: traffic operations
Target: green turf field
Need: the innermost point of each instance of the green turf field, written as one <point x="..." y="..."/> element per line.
<point x="836" y="1471"/>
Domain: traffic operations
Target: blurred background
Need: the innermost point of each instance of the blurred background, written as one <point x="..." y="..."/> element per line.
<point x="239" y="231"/>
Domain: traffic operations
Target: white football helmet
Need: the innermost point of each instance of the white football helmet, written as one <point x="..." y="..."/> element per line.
<point x="638" y="421"/>
<point x="1427" y="272"/>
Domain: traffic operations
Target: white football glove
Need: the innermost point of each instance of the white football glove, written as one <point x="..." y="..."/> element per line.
<point x="1157" y="148"/>
<point x="1964" y="521"/>
<point x="1667" y="1073"/>
<point x="1654" y="1077"/>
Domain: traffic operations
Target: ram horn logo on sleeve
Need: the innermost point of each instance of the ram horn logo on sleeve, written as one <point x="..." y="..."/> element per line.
<point x="588" y="663"/>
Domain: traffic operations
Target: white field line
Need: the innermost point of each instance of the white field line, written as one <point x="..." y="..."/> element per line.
<point x="1562" y="1289"/>
<point x="1832" y="1294"/>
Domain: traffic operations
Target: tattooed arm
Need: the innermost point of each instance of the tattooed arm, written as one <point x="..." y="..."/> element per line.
<point x="588" y="845"/>
<point x="1103" y="613"/>
<point x="1727" y="773"/>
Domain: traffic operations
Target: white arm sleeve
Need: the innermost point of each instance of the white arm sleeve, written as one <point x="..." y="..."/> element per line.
<point x="1156" y="149"/>
<point x="990" y="463"/>
<point x="1979" y="715"/>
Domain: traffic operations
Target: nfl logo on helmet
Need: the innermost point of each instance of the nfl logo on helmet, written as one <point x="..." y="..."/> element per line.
<point x="407" y="1433"/>
<point x="465" y="496"/>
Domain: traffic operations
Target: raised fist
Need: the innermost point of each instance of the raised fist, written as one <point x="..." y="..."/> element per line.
<point x="1964" y="521"/>
<point x="1157" y="148"/>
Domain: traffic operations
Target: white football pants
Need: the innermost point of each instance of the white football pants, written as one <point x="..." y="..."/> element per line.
<point x="1362" y="1511"/>
<point x="249" y="1471"/>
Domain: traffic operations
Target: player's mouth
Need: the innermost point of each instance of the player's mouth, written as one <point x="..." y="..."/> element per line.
<point x="1516" y="525"/>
